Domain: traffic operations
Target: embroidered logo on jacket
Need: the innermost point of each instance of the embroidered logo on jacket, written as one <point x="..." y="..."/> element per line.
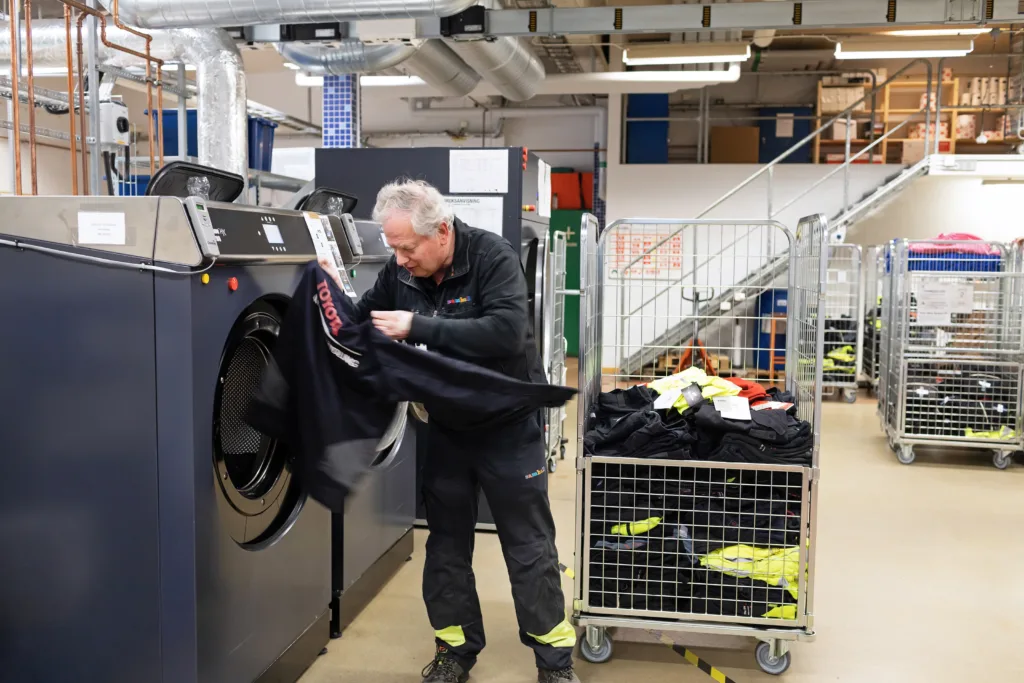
<point x="327" y="308"/>
<point x="531" y="475"/>
<point x="460" y="300"/>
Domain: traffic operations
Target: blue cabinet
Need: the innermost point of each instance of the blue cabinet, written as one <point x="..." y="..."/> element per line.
<point x="772" y="145"/>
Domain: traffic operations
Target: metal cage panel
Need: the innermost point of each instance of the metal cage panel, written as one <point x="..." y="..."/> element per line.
<point x="638" y="279"/>
<point x="952" y="350"/>
<point x="844" y="311"/>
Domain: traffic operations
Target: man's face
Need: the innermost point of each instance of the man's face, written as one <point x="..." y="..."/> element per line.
<point x="421" y="256"/>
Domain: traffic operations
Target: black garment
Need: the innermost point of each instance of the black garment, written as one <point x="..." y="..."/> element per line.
<point x="614" y="405"/>
<point x="511" y="470"/>
<point x="744" y="448"/>
<point x="641" y="435"/>
<point x="479" y="312"/>
<point x="332" y="389"/>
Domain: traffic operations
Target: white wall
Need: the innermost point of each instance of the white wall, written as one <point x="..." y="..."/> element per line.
<point x="935" y="204"/>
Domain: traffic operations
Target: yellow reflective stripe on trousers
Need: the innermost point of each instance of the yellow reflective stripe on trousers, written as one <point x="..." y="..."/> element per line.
<point x="453" y="635"/>
<point x="563" y="635"/>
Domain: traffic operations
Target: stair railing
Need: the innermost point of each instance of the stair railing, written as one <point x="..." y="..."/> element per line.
<point x="768" y="169"/>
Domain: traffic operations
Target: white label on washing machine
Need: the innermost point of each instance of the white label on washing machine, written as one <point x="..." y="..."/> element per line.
<point x="96" y="227"/>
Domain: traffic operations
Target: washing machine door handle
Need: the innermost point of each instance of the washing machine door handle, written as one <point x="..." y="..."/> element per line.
<point x="392" y="439"/>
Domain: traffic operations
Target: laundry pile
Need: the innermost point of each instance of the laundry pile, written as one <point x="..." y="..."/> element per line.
<point x="973" y="400"/>
<point x="840" y="363"/>
<point x="695" y="539"/>
<point x="675" y="418"/>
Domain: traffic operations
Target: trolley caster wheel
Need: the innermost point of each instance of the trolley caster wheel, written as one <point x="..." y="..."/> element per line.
<point x="769" y="663"/>
<point x="850" y="395"/>
<point x="552" y="465"/>
<point x="905" y="454"/>
<point x="561" y="452"/>
<point x="599" y="655"/>
<point x="1002" y="459"/>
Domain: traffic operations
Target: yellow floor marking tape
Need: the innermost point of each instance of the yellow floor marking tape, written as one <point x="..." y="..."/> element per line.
<point x="689" y="656"/>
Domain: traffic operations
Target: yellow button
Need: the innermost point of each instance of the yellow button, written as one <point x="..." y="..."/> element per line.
<point x="206" y="278"/>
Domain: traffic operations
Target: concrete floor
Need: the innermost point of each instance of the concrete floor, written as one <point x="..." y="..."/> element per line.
<point x="919" y="579"/>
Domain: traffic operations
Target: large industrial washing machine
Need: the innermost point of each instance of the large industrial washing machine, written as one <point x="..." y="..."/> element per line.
<point x="363" y="171"/>
<point x="148" y="533"/>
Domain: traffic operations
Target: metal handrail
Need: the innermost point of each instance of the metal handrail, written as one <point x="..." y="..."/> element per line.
<point x="809" y="138"/>
<point x="769" y="168"/>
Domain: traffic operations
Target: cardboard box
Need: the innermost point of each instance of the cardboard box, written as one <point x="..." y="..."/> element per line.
<point x="839" y="130"/>
<point x="735" y="144"/>
<point x="835" y="100"/>
<point x="966" y="127"/>
<point x="947" y="74"/>
<point x="917" y="132"/>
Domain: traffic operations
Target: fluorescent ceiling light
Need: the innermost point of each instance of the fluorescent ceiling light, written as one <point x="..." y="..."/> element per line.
<point x="933" y="32"/>
<point x="390" y="81"/>
<point x="903" y="49"/>
<point x="693" y="53"/>
<point x="308" y="81"/>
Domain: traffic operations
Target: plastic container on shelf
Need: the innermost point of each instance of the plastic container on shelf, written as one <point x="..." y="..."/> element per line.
<point x="170" y="119"/>
<point x="261" y="143"/>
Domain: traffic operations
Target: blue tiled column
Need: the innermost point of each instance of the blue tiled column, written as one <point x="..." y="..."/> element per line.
<point x="341" y="111"/>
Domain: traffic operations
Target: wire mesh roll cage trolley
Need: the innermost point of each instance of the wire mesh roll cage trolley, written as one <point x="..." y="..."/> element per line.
<point x="874" y="277"/>
<point x="555" y="345"/>
<point x="639" y="285"/>
<point x="952" y="348"/>
<point x="844" y="316"/>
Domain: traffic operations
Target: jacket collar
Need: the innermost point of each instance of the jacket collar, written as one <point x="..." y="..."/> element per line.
<point x="460" y="261"/>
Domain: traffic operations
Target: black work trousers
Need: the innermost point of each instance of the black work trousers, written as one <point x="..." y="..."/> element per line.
<point x="509" y="464"/>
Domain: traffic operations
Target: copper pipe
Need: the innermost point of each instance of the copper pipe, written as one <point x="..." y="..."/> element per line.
<point x="33" y="174"/>
<point x="16" y="91"/>
<point x="71" y="101"/>
<point x="81" y="103"/>
<point x="147" y="56"/>
<point x="149" y="87"/>
<point x="160" y="110"/>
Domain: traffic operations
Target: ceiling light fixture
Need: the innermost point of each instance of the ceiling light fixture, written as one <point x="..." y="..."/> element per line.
<point x="935" y="32"/>
<point x="308" y="81"/>
<point x="693" y="53"/>
<point x="904" y="49"/>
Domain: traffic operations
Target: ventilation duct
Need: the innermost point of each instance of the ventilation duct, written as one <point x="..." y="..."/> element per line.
<point x="220" y="79"/>
<point x="153" y="14"/>
<point x="442" y="69"/>
<point x="351" y="56"/>
<point x="506" y="63"/>
<point x="431" y="60"/>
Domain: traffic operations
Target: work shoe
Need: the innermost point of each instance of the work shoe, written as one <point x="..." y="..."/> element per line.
<point x="566" y="675"/>
<point x="444" y="669"/>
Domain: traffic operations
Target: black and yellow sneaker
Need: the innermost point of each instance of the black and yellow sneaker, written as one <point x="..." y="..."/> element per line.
<point x="444" y="669"/>
<point x="566" y="675"/>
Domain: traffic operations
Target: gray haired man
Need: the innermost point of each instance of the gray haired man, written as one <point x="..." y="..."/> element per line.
<point x="462" y="292"/>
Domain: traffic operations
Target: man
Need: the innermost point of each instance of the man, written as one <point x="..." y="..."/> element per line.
<point x="462" y="292"/>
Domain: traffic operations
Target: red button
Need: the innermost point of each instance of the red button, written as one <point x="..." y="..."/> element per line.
<point x="233" y="284"/>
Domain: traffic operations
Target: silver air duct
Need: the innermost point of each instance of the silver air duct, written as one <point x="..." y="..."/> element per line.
<point x="351" y="56"/>
<point x="431" y="60"/>
<point x="220" y="78"/>
<point x="184" y="13"/>
<point x="442" y="69"/>
<point x="505" y="63"/>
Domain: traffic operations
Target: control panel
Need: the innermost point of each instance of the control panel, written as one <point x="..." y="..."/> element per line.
<point x="233" y="232"/>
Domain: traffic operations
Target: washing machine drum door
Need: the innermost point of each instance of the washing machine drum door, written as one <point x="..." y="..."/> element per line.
<point x="258" y="495"/>
<point x="391" y="441"/>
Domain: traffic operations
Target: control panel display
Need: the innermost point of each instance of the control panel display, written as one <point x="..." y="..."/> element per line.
<point x="273" y="233"/>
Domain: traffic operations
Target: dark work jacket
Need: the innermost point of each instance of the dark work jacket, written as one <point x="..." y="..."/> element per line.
<point x="332" y="387"/>
<point x="478" y="313"/>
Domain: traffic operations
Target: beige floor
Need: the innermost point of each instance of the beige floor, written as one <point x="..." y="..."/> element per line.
<point x="920" y="578"/>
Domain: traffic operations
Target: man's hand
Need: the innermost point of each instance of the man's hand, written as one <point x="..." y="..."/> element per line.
<point x="332" y="269"/>
<point x="395" y="324"/>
